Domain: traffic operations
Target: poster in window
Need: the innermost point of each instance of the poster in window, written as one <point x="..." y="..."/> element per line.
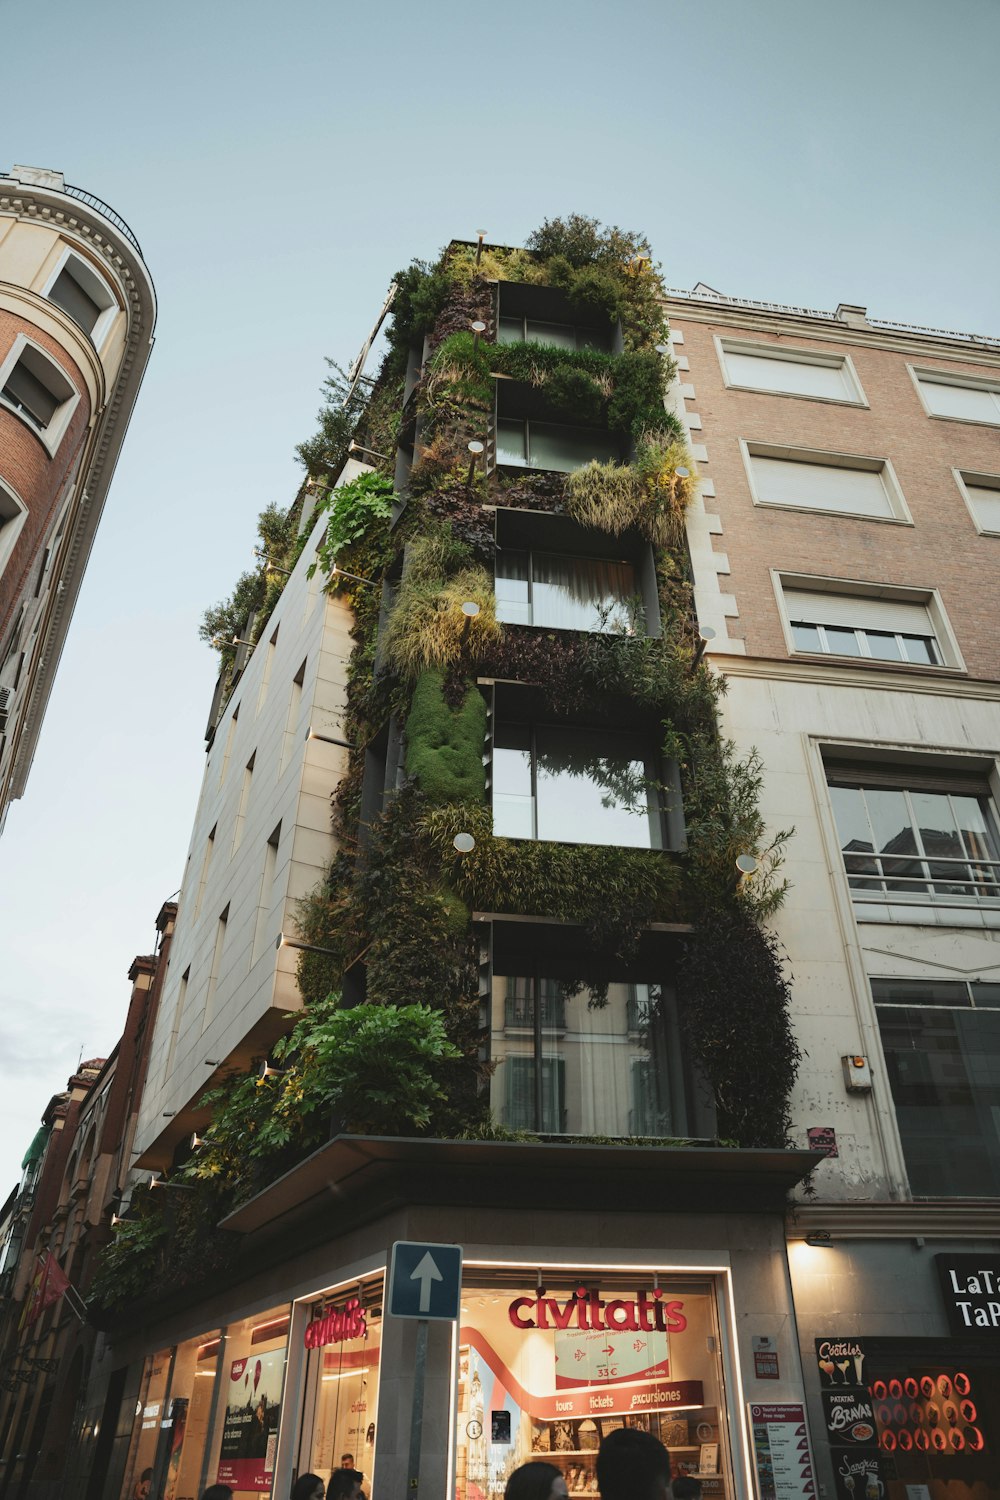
<point x="253" y="1406"/>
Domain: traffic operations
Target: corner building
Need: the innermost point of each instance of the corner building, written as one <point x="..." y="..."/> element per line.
<point x="77" y="311"/>
<point x="846" y="552"/>
<point x="611" y="1149"/>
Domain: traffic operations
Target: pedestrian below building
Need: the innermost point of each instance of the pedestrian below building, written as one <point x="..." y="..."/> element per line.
<point x="142" y="1485"/>
<point x="686" y="1487"/>
<point x="308" y="1487"/>
<point x="633" y="1465"/>
<point x="536" y="1481"/>
<point x="218" y="1492"/>
<point x="345" y="1484"/>
<point x="347" y="1460"/>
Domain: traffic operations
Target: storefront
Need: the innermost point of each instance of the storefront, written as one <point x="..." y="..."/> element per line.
<point x="908" y="1381"/>
<point x="599" y="1291"/>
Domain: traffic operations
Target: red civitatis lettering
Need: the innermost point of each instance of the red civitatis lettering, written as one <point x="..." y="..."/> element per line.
<point x="561" y="1315"/>
<point x="621" y="1315"/>
<point x="516" y="1308"/>
<point x="676" y="1321"/>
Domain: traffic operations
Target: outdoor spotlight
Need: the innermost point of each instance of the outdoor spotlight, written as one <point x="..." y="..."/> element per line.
<point x="475" y="449"/>
<point x="820" y="1240"/>
<point x="354" y="447"/>
<point x="339" y="572"/>
<point x="196" y="1141"/>
<point x="746" y="864"/>
<point x="477" y="327"/>
<point x="266" y="1071"/>
<point x="705" y="635"/>
<point x="464" y="843"/>
<point x="480" y="236"/>
<point x="682" y="472"/>
<point x="470" y="609"/>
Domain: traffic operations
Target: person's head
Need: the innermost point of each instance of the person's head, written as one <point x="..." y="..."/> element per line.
<point x="308" y="1487"/>
<point x="538" y="1481"/>
<point x="686" y="1487"/>
<point x="218" y="1492"/>
<point x="347" y="1460"/>
<point x="345" y="1484"/>
<point x="632" y="1465"/>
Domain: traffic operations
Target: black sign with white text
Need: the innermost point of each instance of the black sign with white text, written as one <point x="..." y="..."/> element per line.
<point x="970" y="1285"/>
<point x="850" y="1418"/>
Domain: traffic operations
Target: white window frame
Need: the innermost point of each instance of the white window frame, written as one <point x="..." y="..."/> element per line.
<point x="791" y="355"/>
<point x="751" y="448"/>
<point x="10" y="528"/>
<point x="919" y="373"/>
<point x="944" y="637"/>
<point x="52" y="435"/>
<point x="964" y="477"/>
<point x="97" y="288"/>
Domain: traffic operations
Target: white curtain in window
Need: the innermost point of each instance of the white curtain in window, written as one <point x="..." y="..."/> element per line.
<point x="580" y="593"/>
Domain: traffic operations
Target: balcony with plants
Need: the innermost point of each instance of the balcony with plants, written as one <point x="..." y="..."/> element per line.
<point x="539" y="827"/>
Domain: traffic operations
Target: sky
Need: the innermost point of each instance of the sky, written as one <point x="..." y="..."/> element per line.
<point x="278" y="163"/>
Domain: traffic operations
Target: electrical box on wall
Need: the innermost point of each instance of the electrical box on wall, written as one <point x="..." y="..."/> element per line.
<point x="857" y="1074"/>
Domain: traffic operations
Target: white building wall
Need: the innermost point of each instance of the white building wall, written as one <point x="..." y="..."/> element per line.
<point x="255" y="990"/>
<point x="833" y="945"/>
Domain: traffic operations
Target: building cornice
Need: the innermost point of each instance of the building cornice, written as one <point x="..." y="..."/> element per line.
<point x="873" y="680"/>
<point x="809" y="323"/>
<point x="956" y="1218"/>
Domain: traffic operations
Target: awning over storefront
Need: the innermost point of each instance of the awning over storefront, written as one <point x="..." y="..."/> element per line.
<point x="370" y="1174"/>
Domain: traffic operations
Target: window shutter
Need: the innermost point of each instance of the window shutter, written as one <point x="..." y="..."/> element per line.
<point x="858" y="611"/>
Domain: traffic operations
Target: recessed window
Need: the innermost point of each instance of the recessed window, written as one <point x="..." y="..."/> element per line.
<point x="918" y="838"/>
<point x="576" y="785"/>
<point x="528" y="444"/>
<point x="564" y="1066"/>
<point x="564" y="592"/>
<point x="832" y="483"/>
<point x="982" y="496"/>
<point x="964" y="398"/>
<point x="13" y="513"/>
<point x="557" y="335"/>
<point x="790" y="372"/>
<point x="78" y="289"/>
<point x="35" y="387"/>
<point x="862" y="626"/>
<point x="941" y="1043"/>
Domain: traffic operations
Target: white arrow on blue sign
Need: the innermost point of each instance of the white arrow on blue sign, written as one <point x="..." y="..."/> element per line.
<point x="425" y="1281"/>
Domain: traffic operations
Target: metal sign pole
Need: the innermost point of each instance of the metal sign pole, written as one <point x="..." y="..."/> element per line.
<point x="417" y="1420"/>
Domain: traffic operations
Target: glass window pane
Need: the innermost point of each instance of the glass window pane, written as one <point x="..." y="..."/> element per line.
<point x="581" y="593"/>
<point x="985" y="502"/>
<point x="513" y="606"/>
<point x="944" y="1072"/>
<point x="593" y="788"/>
<point x="566" y="448"/>
<point x="920" y="992"/>
<point x="25" y="391"/>
<point x="883" y="645"/>
<point x="842" y="642"/>
<point x="511" y="443"/>
<point x="986" y="995"/>
<point x="594" y="338"/>
<point x="513" y="805"/>
<point x="806" y="637"/>
<point x="510" y="331"/>
<point x="920" y="648"/>
<point x="559" y="335"/>
<point x="853" y="827"/>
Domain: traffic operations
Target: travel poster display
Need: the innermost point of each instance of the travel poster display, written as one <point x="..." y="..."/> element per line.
<point x="253" y="1407"/>
<point x="782" y="1459"/>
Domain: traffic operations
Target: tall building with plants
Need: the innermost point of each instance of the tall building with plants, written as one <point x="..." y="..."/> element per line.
<point x="476" y="940"/>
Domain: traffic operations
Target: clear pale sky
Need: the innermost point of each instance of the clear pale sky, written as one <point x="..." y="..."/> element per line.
<point x="278" y="163"/>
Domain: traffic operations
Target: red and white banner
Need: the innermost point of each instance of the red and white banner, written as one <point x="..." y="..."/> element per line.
<point x="47" y="1285"/>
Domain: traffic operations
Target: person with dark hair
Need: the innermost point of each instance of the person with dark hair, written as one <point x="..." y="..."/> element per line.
<point x="686" y="1487"/>
<point x="218" y="1492"/>
<point x="536" y="1481"/>
<point x="308" y="1487"/>
<point x="633" y="1465"/>
<point x="345" y="1484"/>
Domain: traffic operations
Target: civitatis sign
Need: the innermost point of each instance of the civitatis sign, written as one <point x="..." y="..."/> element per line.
<point x="425" y="1281"/>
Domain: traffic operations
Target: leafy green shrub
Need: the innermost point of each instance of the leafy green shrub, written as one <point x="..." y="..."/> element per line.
<point x="355" y="510"/>
<point x="444" y="746"/>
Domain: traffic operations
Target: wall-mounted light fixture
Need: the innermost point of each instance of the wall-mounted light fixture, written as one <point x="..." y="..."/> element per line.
<point x="266" y="1071"/>
<point x="475" y="449"/>
<point x="339" y="572"/>
<point x="213" y="1062"/>
<point x="328" y="739"/>
<point x="470" y="609"/>
<point x="477" y="327"/>
<point x="746" y="866"/>
<point x="354" y="447"/>
<point x="705" y="635"/>
<point x="281" y="941"/>
<point x="820" y="1240"/>
<point x="176" y="1187"/>
<point x="480" y="236"/>
<point x="463" y="843"/>
<point x="196" y="1141"/>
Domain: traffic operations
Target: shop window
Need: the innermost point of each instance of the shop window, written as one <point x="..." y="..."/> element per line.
<point x="916" y="837"/>
<point x="569" y="1065"/>
<point x="252" y="1371"/>
<point x="576" y="785"/>
<point x="529" y="444"/>
<point x="933" y="1402"/>
<point x="546" y="1371"/>
<point x="150" y="1420"/>
<point x="941" y="1041"/>
<point x="344" y="1338"/>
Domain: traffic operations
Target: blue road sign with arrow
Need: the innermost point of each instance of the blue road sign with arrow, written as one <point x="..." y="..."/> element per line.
<point x="425" y="1281"/>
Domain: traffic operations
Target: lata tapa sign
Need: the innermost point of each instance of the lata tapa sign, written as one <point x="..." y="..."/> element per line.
<point x="970" y="1285"/>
